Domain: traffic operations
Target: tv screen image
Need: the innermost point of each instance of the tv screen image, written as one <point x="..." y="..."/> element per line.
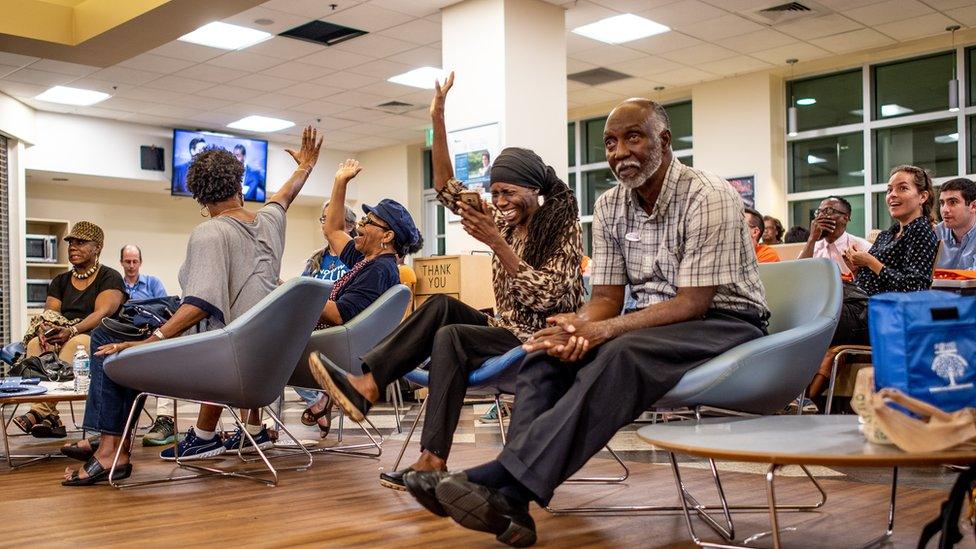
<point x="252" y="152"/>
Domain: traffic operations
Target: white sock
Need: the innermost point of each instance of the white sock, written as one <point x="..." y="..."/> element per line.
<point x="204" y="435"/>
<point x="254" y="429"/>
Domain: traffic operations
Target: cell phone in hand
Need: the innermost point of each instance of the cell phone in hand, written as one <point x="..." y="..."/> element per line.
<point x="471" y="198"/>
<point x="51" y="332"/>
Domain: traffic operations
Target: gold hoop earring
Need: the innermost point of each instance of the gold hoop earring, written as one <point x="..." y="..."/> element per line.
<point x="203" y="212"/>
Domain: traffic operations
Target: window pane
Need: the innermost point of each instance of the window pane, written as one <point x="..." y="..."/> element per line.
<point x="596" y="183"/>
<point x="428" y="169"/>
<point x="972" y="144"/>
<point x="912" y="87"/>
<point x="571" y="137"/>
<point x="970" y="68"/>
<point x="932" y="145"/>
<point x="588" y="239"/>
<point x="827" y="101"/>
<point x="882" y="219"/>
<point x="826" y="162"/>
<point x="801" y="213"/>
<point x="688" y="160"/>
<point x="593" y="150"/>
<point x="441" y="245"/>
<point x="440" y="220"/>
<point x="680" y="117"/>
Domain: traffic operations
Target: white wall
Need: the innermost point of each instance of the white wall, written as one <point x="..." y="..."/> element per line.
<point x="17" y="120"/>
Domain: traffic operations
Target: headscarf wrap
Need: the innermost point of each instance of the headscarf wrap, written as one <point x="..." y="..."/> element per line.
<point x="524" y="168"/>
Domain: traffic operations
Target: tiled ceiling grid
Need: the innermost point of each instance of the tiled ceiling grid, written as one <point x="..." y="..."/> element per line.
<point x="337" y="88"/>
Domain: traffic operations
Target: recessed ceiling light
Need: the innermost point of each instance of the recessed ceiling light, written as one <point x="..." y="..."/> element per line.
<point x="256" y="123"/>
<point x="225" y="36"/>
<point x="894" y="110"/>
<point x="815" y="159"/>
<point x="947" y="138"/>
<point x="621" y="28"/>
<point x="805" y="101"/>
<point x="419" y="78"/>
<point x="72" y="96"/>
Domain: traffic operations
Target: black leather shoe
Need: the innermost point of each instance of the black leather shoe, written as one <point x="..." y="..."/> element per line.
<point x="74" y="451"/>
<point x="477" y="507"/>
<point x="421" y="485"/>
<point x="394" y="479"/>
<point x="335" y="380"/>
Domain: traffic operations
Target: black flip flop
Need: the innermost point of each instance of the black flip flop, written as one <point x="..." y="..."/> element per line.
<point x="97" y="473"/>
<point x="25" y="425"/>
<point x="49" y="427"/>
<point x="78" y="453"/>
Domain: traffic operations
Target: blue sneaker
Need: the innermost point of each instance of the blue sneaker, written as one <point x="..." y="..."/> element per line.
<point x="193" y="447"/>
<point x="234" y="442"/>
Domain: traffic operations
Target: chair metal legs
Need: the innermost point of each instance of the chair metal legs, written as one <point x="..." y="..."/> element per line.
<point x="833" y="373"/>
<point x="210" y="471"/>
<point x="406" y="441"/>
<point x="371" y="449"/>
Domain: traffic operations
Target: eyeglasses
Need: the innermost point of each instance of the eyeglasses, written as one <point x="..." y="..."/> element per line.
<point x="367" y="221"/>
<point x="828" y="212"/>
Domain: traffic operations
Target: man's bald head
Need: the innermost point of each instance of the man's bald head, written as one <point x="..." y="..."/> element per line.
<point x="649" y="110"/>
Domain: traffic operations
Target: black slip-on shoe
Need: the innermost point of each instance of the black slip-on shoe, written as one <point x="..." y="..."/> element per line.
<point x="394" y="479"/>
<point x="421" y="485"/>
<point x="335" y="380"/>
<point x="477" y="507"/>
<point x="74" y="451"/>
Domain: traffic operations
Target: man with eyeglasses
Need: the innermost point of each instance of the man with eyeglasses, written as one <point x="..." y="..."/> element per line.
<point x="828" y="234"/>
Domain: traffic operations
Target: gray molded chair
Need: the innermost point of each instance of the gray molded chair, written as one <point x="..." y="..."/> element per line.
<point x="243" y="365"/>
<point x="763" y="375"/>
<point x="345" y="345"/>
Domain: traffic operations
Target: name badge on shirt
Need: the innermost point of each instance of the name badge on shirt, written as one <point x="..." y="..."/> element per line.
<point x="632" y="237"/>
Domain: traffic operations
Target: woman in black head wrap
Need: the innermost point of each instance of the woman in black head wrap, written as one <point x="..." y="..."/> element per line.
<point x="532" y="226"/>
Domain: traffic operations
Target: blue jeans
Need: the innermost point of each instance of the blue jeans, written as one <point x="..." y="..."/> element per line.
<point x="309" y="396"/>
<point x="108" y="403"/>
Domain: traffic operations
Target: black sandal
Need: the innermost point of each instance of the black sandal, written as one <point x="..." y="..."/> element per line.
<point x="76" y="452"/>
<point x="97" y="473"/>
<point x="310" y="418"/>
<point x="27" y="421"/>
<point x="49" y="427"/>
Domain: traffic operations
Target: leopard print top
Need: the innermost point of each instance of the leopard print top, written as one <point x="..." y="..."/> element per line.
<point x="523" y="301"/>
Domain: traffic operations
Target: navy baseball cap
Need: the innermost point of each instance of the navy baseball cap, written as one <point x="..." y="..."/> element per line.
<point x="397" y="218"/>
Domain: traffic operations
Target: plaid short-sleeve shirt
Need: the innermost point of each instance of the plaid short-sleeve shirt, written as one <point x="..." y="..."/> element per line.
<point x="694" y="236"/>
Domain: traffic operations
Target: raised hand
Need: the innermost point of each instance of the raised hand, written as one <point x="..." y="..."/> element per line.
<point x="440" y="94"/>
<point x="308" y="154"/>
<point x="348" y="170"/>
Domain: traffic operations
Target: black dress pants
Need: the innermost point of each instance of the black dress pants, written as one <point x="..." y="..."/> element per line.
<point x="458" y="340"/>
<point x="567" y="413"/>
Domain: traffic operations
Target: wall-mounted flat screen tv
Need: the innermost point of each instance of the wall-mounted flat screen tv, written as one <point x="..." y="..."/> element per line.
<point x="253" y="153"/>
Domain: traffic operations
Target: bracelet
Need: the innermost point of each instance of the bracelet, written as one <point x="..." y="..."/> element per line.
<point x="73" y="330"/>
<point x="159" y="334"/>
<point x="300" y="169"/>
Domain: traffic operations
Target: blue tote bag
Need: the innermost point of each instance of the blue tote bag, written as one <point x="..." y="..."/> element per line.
<point x="924" y="343"/>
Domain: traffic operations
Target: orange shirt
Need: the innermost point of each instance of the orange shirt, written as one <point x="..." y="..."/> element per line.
<point x="765" y="254"/>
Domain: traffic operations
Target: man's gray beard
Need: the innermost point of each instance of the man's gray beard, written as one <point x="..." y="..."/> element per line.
<point x="653" y="163"/>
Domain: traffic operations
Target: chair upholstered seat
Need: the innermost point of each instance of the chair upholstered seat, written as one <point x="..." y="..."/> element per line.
<point x="490" y="371"/>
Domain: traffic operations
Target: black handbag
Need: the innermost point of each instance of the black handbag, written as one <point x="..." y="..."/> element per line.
<point x="139" y="319"/>
<point x="47" y="366"/>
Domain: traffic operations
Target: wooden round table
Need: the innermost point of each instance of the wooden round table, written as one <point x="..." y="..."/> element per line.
<point x="56" y="392"/>
<point x="787" y="440"/>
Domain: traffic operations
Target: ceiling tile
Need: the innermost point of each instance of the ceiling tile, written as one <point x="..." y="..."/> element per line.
<point x="244" y="61"/>
<point x="179" y="84"/>
<point x="21" y="90"/>
<point x="425" y="56"/>
<point x="630" y="87"/>
<point x="294" y="70"/>
<point x="714" y="30"/>
<point x="16" y="60"/>
<point x="593" y="95"/>
<point x="662" y="43"/>
<point x="102" y="112"/>
<point x="943" y="5"/>
<point x="216" y="118"/>
<point x="800" y="50"/>
<point x="418" y="31"/>
<point x="309" y="90"/>
<point x="60" y="67"/>
<point x="387" y="89"/>
<point x="40" y="78"/>
<point x="634" y="6"/>
<point x="345" y="80"/>
<point x="702" y="53"/>
<point x="356" y="98"/>
<point x="171" y="111"/>
<point x="741" y="64"/>
<point x="817" y="27"/>
<point x="840" y="5"/>
<point x="207" y="103"/>
<point x="375" y="45"/>
<point x="335" y="59"/>
<point x="400" y="121"/>
<point x="320" y="107"/>
<point x="90" y="83"/>
<point x="211" y="73"/>
<point x="966" y="16"/>
<point x="153" y="96"/>
<point x="311" y="9"/>
<point x="757" y="41"/>
<point x="262" y="82"/>
<point x="576" y="43"/>
<point x="606" y="55"/>
<point x="156" y="63"/>
<point x="281" y="47"/>
<point x="124" y="104"/>
<point x="585" y="12"/>
<point x="683" y="76"/>
<point x="125" y="75"/>
<point x="277" y="101"/>
<point x="886" y="12"/>
<point x="417" y="8"/>
<point x="742" y="6"/>
<point x="187" y="51"/>
<point x="7" y="69"/>
<point x="683" y="13"/>
<point x="368" y="18"/>
<point x="646" y="66"/>
<point x="381" y="69"/>
<point x="282" y="21"/>
<point x="853" y="41"/>
<point x="917" y="27"/>
<point x="360" y="114"/>
<point x="233" y="93"/>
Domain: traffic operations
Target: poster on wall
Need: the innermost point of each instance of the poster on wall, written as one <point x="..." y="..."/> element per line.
<point x="746" y="187"/>
<point x="472" y="150"/>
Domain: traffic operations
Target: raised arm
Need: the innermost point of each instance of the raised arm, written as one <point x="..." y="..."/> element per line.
<point x="335" y="215"/>
<point x="306" y="157"/>
<point x="440" y="157"/>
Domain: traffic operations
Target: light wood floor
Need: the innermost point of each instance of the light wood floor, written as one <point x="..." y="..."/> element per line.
<point x="340" y="503"/>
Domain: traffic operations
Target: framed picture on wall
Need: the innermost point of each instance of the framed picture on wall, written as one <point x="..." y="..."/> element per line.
<point x="746" y="187"/>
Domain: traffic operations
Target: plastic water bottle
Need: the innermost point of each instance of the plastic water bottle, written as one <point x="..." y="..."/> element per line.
<point x="82" y="369"/>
